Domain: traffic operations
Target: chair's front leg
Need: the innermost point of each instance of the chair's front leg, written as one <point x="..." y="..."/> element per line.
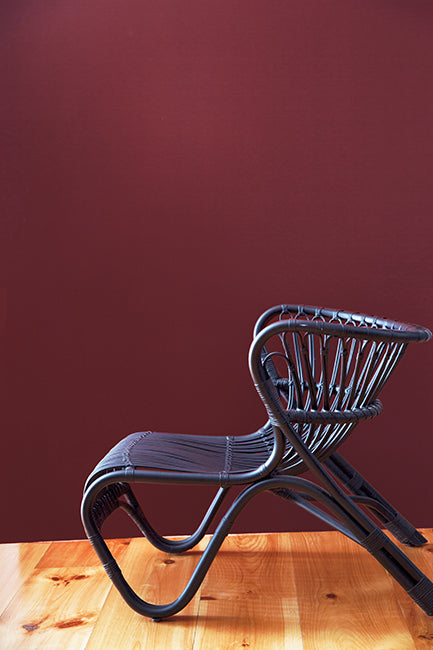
<point x="102" y="498"/>
<point x="99" y="502"/>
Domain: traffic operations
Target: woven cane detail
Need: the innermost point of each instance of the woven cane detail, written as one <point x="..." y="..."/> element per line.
<point x="374" y="541"/>
<point x="107" y="502"/>
<point x="126" y="456"/>
<point x="422" y="594"/>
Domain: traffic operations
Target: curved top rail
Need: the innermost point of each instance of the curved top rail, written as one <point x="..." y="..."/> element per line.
<point x="346" y="323"/>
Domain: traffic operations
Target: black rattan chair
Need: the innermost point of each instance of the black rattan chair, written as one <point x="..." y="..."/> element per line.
<point x="319" y="373"/>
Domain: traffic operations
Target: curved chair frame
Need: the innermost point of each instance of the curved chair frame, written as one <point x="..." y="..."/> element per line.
<point x="326" y="393"/>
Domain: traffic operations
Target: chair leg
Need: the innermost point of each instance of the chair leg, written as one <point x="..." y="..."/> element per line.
<point x="362" y="530"/>
<point x="304" y="501"/>
<point x="388" y="516"/>
<point x="98" y="503"/>
<point x="102" y="498"/>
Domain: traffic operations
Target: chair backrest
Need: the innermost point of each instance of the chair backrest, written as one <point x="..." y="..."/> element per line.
<point x="320" y="371"/>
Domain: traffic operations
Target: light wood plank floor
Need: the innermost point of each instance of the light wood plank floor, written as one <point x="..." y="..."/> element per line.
<point x="285" y="591"/>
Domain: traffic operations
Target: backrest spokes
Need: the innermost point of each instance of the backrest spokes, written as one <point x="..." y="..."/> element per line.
<point x="379" y="363"/>
<point x="327" y="372"/>
<point x="389" y="362"/>
<point x="326" y="369"/>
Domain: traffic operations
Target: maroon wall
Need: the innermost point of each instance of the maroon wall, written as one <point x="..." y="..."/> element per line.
<point x="171" y="169"/>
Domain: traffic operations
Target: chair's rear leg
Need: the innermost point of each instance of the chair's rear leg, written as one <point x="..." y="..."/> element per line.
<point x="397" y="525"/>
<point x="362" y="530"/>
<point x="133" y="509"/>
<point x="359" y="527"/>
<point x="305" y="502"/>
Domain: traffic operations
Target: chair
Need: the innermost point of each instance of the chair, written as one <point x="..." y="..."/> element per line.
<point x="319" y="373"/>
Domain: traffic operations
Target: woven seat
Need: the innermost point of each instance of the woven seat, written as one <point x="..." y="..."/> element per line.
<point x="319" y="373"/>
<point x="197" y="454"/>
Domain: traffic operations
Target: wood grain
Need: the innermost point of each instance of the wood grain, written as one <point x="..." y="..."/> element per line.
<point x="346" y="599"/>
<point x="17" y="561"/>
<point x="58" y="604"/>
<point x="420" y="625"/>
<point x="276" y="591"/>
<point x="253" y="603"/>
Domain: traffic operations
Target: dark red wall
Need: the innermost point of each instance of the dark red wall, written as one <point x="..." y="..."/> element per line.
<point x="171" y="169"/>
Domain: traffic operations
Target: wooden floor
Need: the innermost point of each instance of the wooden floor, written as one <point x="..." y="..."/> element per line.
<point x="292" y="590"/>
